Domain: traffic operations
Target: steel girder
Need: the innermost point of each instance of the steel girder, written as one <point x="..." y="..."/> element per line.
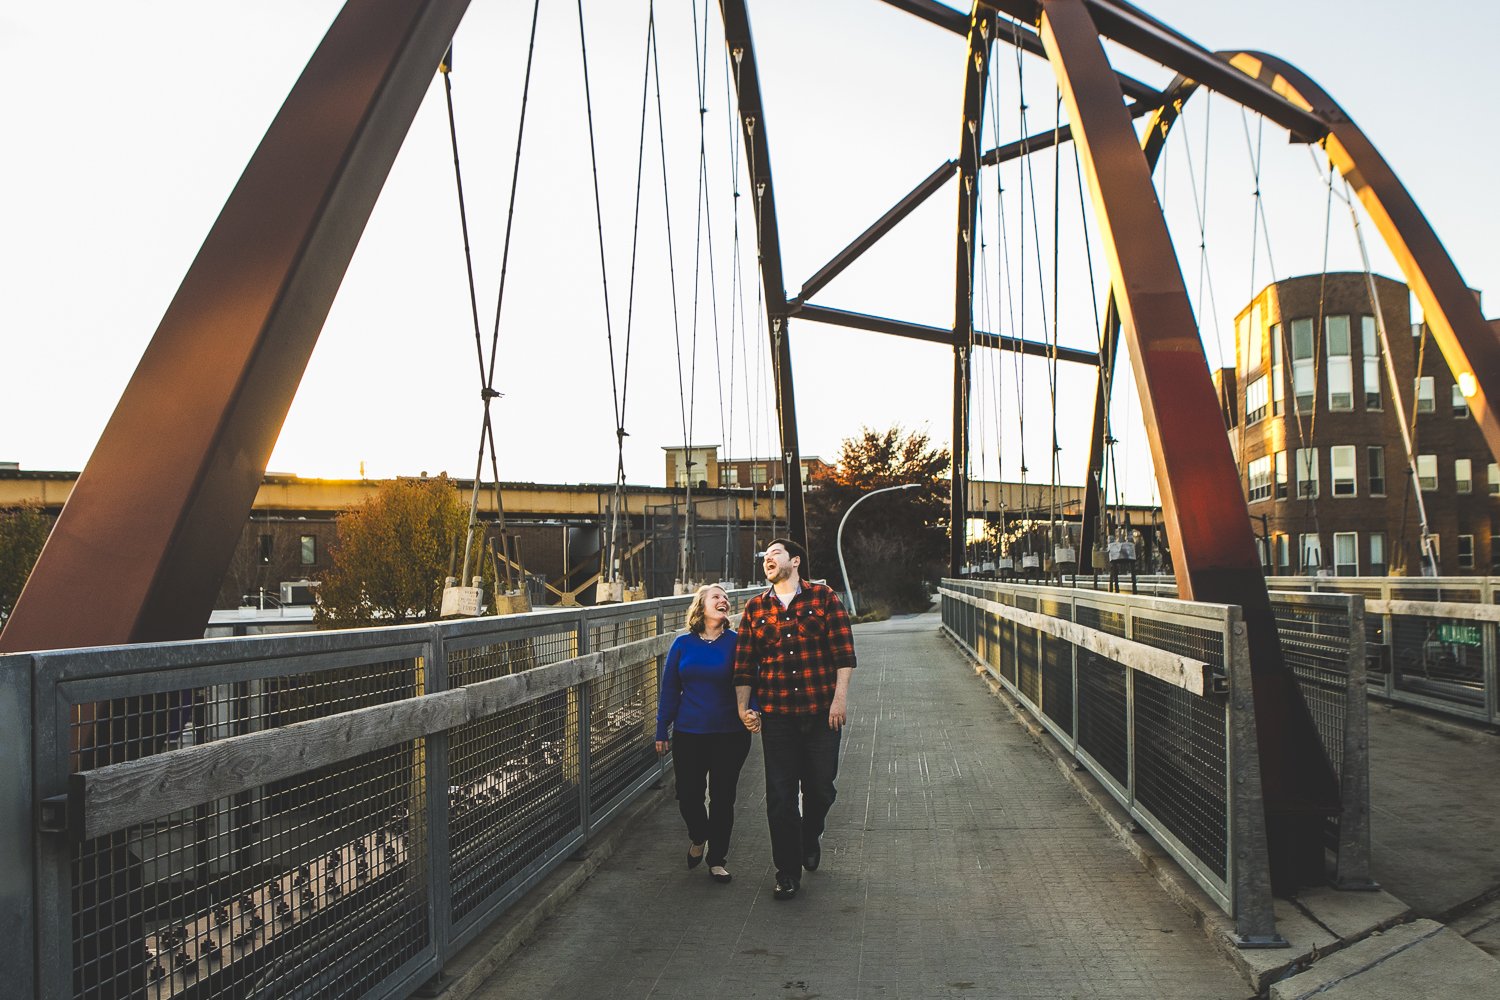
<point x="1213" y="545"/>
<point x="752" y="115"/>
<point x="144" y="539"/>
<point x="1452" y="312"/>
<point x="976" y="78"/>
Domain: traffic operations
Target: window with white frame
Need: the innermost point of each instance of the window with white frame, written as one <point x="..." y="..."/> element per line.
<point x="1304" y="372"/>
<point x="1311" y="559"/>
<point x="1256" y="400"/>
<point x="1460" y="404"/>
<point x="731" y="475"/>
<point x="1340" y="363"/>
<point x="1494" y="479"/>
<point x="758" y="475"/>
<point x="1463" y="475"/>
<point x="1341" y="470"/>
<point x="1375" y="465"/>
<point x="1377" y="553"/>
<point x="1307" y="473"/>
<point x="1427" y="476"/>
<point x="1278" y="376"/>
<point x="1465" y="551"/>
<point x="1426" y="395"/>
<point x="1371" y="344"/>
<point x="1284" y="552"/>
<point x="1345" y="553"/>
<point x="1281" y="476"/>
<point x="1260" y="479"/>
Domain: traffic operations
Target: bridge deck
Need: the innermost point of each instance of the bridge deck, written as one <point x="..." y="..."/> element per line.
<point x="957" y="864"/>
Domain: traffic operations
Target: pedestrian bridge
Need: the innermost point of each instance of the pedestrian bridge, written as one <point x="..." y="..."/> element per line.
<point x="266" y="817"/>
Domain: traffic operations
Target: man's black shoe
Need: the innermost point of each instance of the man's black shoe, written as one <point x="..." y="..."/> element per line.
<point x="786" y="887"/>
<point x="812" y="857"/>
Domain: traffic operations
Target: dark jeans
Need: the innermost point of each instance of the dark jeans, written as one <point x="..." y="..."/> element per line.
<point x="802" y="755"/>
<point x="714" y="759"/>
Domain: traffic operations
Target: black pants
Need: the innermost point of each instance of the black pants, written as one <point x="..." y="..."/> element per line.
<point x="713" y="759"/>
<point x="802" y="757"/>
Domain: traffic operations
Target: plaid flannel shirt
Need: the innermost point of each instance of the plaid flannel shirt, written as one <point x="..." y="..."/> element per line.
<point x="790" y="656"/>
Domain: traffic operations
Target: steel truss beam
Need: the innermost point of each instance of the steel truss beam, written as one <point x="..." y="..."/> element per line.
<point x="937" y="334"/>
<point x="1213" y="546"/>
<point x="153" y="521"/>
<point x="737" y="39"/>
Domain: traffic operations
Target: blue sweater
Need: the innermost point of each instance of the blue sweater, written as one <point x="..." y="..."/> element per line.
<point x="697" y="690"/>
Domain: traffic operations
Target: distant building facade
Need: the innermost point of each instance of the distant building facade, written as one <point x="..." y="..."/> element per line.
<point x="1317" y="436"/>
<point x="710" y="471"/>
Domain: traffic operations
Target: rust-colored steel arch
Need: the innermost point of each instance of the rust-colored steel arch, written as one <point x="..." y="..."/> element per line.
<point x="1468" y="343"/>
<point x="141" y="546"/>
<point x="1212" y="540"/>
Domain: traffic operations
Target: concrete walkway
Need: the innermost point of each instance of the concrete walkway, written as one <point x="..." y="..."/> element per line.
<point x="957" y="863"/>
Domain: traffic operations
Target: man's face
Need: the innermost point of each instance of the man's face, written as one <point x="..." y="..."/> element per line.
<point x="779" y="565"/>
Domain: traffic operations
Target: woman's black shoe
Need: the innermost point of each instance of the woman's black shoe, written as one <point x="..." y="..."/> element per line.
<point x="719" y="873"/>
<point x="786" y="887"/>
<point x="694" y="860"/>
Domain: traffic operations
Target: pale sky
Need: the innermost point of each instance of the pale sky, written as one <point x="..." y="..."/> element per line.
<point x="128" y="125"/>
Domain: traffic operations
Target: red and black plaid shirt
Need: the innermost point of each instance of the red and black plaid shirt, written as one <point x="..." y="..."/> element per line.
<point x="790" y="656"/>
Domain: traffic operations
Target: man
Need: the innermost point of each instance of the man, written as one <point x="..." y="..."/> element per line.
<point x="796" y="653"/>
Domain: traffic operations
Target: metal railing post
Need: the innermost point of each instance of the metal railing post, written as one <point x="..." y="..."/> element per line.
<point x="1353" y="866"/>
<point x="581" y="698"/>
<point x="436" y="778"/>
<point x="1249" y="868"/>
<point x="17" y="831"/>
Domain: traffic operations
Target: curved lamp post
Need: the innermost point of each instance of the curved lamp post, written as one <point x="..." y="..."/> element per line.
<point x="839" y="539"/>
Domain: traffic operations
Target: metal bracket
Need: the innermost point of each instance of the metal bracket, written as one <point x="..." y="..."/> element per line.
<point x="55" y="814"/>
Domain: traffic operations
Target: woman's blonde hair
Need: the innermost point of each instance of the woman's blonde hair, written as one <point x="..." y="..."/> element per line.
<point x="695" y="610"/>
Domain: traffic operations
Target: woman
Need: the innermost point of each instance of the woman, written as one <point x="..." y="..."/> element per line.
<point x="711" y="743"/>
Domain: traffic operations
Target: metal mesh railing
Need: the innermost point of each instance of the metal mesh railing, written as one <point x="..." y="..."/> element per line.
<point x="331" y="822"/>
<point x="1160" y="736"/>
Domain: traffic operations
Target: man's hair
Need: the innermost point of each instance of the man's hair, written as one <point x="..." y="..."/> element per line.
<point x="795" y="550"/>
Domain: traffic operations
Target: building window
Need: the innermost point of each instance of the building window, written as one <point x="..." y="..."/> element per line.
<point x="1312" y="555"/>
<point x="1345" y="553"/>
<point x="1465" y="551"/>
<point x="265" y="549"/>
<point x="731" y="476"/>
<point x="1377" y="553"/>
<point x="1307" y="473"/>
<point x="1278" y="377"/>
<point x="1426" y="395"/>
<point x="1304" y="374"/>
<point x="1256" y="401"/>
<point x="1284" y="552"/>
<point x="1427" y="476"/>
<point x="1375" y="459"/>
<point x="758" y="475"/>
<point x="1463" y="475"/>
<point x="1494" y="479"/>
<point x="1371" y="345"/>
<point x="1340" y="363"/>
<point x="1260" y="479"/>
<point x="1460" y="404"/>
<point x="309" y="550"/>
<point x="1281" y="480"/>
<point x="1341" y="470"/>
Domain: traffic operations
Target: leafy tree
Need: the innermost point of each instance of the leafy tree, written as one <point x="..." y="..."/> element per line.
<point x="391" y="555"/>
<point x="895" y="544"/>
<point x="23" y="531"/>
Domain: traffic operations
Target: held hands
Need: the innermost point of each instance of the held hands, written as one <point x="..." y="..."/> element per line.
<point x="751" y="719"/>
<point x="838" y="713"/>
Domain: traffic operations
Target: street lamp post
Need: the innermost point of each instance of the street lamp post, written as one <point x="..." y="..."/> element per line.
<point x="839" y="539"/>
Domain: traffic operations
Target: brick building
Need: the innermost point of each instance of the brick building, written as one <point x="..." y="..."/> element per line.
<point x="1316" y="434"/>
<point x="732" y="473"/>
